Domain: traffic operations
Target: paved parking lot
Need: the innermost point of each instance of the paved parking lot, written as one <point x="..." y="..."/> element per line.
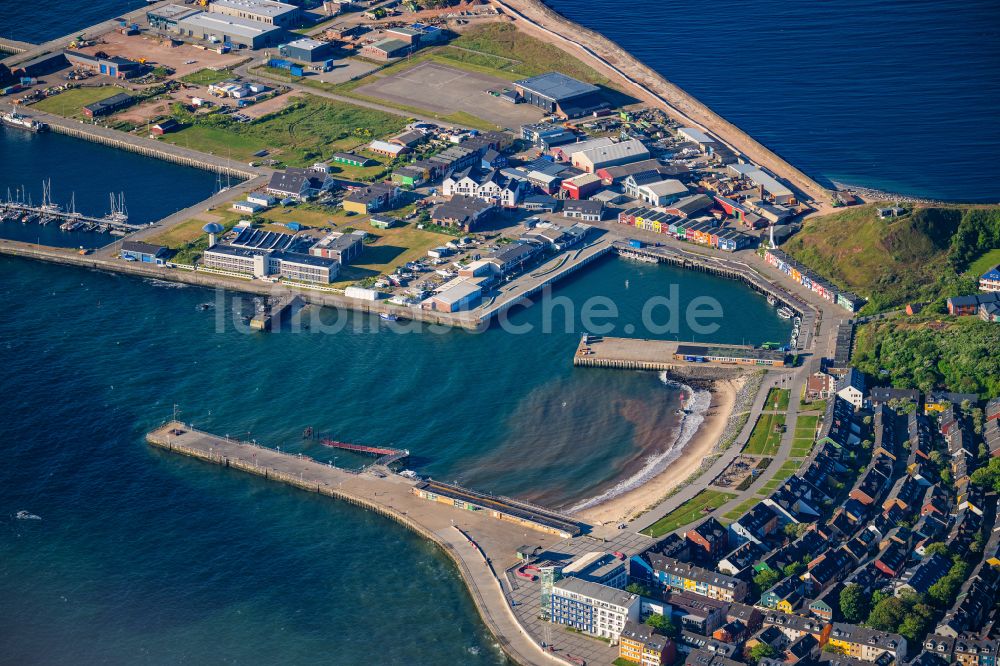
<point x="442" y="89"/>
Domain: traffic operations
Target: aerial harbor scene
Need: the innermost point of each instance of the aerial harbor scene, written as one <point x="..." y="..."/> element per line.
<point x="500" y="332"/>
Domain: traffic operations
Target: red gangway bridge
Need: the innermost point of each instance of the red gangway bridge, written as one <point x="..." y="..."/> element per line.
<point x="385" y="455"/>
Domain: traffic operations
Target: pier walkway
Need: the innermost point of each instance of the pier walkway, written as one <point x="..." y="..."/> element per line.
<point x="481" y="547"/>
<point x="13" y="46"/>
<point x="641" y="354"/>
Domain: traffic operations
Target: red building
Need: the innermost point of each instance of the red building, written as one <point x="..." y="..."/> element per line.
<point x="582" y="186"/>
<point x="709" y="538"/>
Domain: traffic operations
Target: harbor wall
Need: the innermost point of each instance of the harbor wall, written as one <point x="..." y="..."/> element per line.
<point x="215" y="280"/>
<point x="159" y="151"/>
<point x="472" y="584"/>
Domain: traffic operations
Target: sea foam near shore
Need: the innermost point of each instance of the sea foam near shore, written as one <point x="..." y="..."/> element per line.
<point x="696" y="405"/>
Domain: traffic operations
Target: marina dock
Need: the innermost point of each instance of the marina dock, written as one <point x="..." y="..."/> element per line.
<point x="480" y="545"/>
<point x="693" y="359"/>
<point x="732" y="269"/>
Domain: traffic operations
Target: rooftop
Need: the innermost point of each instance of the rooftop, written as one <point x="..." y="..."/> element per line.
<point x="556" y="86"/>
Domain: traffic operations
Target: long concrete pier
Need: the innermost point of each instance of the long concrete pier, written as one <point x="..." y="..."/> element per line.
<point x="642" y="354"/>
<point x="478" y="544"/>
<point x="140" y="144"/>
<point x="13" y="46"/>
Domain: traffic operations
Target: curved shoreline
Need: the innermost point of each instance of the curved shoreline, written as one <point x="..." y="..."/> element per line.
<point x="678" y="466"/>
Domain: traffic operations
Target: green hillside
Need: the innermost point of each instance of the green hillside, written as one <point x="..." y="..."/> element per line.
<point x="923" y="256"/>
<point x="957" y="353"/>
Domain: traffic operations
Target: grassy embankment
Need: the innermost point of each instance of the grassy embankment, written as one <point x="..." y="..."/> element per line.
<point x="690" y="511"/>
<point x="928" y="255"/>
<point x="493" y="49"/>
<point x="931" y="254"/>
<point x="306" y="131"/>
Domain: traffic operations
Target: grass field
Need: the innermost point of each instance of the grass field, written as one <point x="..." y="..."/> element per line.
<point x="71" y="102"/>
<point x="206" y="77"/>
<point x="302" y="133"/>
<point x="801" y="447"/>
<point x="501" y="41"/>
<point x="777" y="400"/>
<point x="737" y="512"/>
<point x="688" y="512"/>
<point x="805" y="425"/>
<point x="985" y="263"/>
<point x="816" y="406"/>
<point x="765" y="438"/>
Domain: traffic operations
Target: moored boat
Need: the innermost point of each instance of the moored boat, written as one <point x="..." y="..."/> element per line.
<point x="15" y="119"/>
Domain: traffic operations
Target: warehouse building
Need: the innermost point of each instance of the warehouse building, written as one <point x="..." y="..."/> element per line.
<point x="385" y="49"/>
<point x="113" y="66"/>
<point x="262" y="11"/>
<point x="561" y="94"/>
<point x="209" y="26"/>
<point x="144" y="252"/>
<point x="108" y="106"/>
<point x="306" y="50"/>
<point x="624" y="152"/>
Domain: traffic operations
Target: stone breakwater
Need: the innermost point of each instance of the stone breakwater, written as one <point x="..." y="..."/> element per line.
<point x="611" y="59"/>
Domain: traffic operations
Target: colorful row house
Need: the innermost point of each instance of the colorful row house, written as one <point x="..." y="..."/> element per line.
<point x="812" y="281"/>
<point x="702" y="230"/>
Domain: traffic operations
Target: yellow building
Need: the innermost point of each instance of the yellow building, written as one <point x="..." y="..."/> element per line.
<point x="865" y="644"/>
<point x="639" y="644"/>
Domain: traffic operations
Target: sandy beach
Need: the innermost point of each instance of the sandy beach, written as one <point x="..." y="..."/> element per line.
<point x="628" y="504"/>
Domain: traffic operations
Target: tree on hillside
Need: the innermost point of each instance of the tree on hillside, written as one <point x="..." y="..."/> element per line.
<point x="855" y="603"/>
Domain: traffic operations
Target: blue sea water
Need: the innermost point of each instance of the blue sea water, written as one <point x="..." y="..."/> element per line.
<point x="87" y="173"/>
<point x="141" y="557"/>
<point x="901" y="95"/>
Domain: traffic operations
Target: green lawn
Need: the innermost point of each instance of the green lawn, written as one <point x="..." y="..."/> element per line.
<point x="777" y="400"/>
<point x="71" y="102"/>
<point x="205" y="77"/>
<point x="688" y="512"/>
<point x="801" y="447"/>
<point x="805" y="425"/>
<point x="765" y="437"/>
<point x="817" y="406"/>
<point x="503" y="41"/>
<point x="985" y="263"/>
<point x="737" y="512"/>
<point x="306" y="131"/>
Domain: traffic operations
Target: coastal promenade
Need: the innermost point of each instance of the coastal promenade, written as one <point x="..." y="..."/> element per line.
<point x="614" y="61"/>
<point x="479" y="545"/>
<point x="482" y="548"/>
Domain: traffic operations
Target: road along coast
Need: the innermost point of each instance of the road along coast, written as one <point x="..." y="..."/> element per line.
<point x="610" y="59"/>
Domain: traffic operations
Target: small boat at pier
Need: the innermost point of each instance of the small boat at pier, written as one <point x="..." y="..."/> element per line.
<point x="15" y="119"/>
<point x="785" y="312"/>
